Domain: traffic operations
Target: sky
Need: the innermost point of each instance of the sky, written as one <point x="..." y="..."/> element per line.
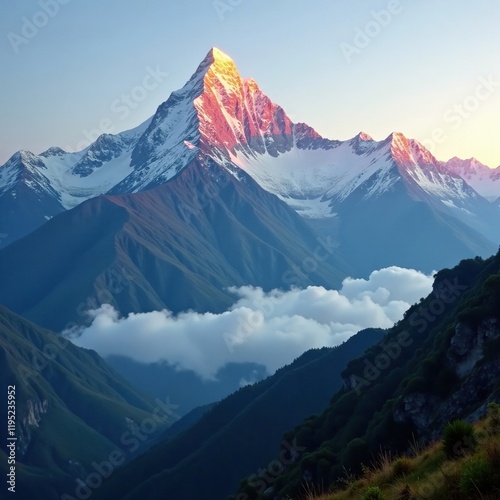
<point x="72" y="69"/>
<point x="270" y="329"/>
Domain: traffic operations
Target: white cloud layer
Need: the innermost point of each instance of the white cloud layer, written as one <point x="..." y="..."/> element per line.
<point x="271" y="328"/>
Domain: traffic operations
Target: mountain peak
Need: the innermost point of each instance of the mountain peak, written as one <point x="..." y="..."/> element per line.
<point x="466" y="167"/>
<point x="25" y="155"/>
<point x="219" y="62"/>
<point x="53" y="151"/>
<point x="215" y="62"/>
<point x="218" y="56"/>
<point x="399" y="145"/>
<point x="361" y="143"/>
<point x="221" y="114"/>
<point x="363" y="136"/>
<point x="409" y="151"/>
<point x="396" y="137"/>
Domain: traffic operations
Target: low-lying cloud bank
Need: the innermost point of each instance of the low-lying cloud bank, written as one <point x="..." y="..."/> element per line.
<point x="271" y="328"/>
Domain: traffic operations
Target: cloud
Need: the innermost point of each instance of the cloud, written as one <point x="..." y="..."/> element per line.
<point x="270" y="328"/>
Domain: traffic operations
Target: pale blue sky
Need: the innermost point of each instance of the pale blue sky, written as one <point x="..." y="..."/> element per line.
<point x="417" y="74"/>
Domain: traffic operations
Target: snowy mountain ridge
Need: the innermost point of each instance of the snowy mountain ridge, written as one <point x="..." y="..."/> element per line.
<point x="228" y="118"/>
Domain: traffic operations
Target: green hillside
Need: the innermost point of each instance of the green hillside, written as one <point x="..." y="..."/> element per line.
<point x="72" y="410"/>
<point x="440" y="363"/>
<point x="240" y="432"/>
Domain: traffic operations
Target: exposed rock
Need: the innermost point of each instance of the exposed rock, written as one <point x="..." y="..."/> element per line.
<point x="473" y="394"/>
<point x="466" y="357"/>
<point x="467" y="345"/>
<point x="350" y="382"/>
<point x="417" y="408"/>
<point x="35" y="408"/>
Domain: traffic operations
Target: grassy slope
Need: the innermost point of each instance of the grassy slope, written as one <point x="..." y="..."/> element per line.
<point x="82" y="406"/>
<point x="429" y="473"/>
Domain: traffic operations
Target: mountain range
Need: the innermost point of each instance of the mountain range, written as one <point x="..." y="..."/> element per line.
<point x="221" y="189"/>
<point x="225" y="123"/>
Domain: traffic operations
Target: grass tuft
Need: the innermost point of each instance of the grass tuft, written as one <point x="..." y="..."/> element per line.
<point x="459" y="439"/>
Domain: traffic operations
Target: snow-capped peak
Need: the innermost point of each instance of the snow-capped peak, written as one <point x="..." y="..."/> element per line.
<point x="236" y="117"/>
<point x="215" y="62"/>
<point x="218" y="55"/>
<point x="228" y="118"/>
<point x="407" y="152"/>
<point x="221" y="60"/>
<point x="191" y="117"/>
<point x="398" y="141"/>
<point x="53" y="151"/>
<point x="485" y="180"/>
<point x="363" y="136"/>
<point x="468" y="167"/>
<point x="217" y="113"/>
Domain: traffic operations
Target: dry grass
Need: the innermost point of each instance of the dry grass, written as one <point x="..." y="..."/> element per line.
<point x="402" y="466"/>
<point x="313" y="493"/>
<point x="426" y="473"/>
<point x="382" y="467"/>
<point x="492" y="452"/>
<point x="415" y="447"/>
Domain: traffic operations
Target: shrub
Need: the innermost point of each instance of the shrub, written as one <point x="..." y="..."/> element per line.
<point x="494" y="416"/>
<point x="355" y="452"/>
<point x="373" y="493"/>
<point x="402" y="466"/>
<point x="459" y="439"/>
<point x="477" y="478"/>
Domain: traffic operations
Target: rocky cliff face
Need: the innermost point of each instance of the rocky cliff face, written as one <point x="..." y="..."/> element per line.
<point x="477" y="368"/>
<point x="30" y="420"/>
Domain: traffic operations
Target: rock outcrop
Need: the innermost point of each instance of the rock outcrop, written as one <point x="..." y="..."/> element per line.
<point x="469" y="359"/>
